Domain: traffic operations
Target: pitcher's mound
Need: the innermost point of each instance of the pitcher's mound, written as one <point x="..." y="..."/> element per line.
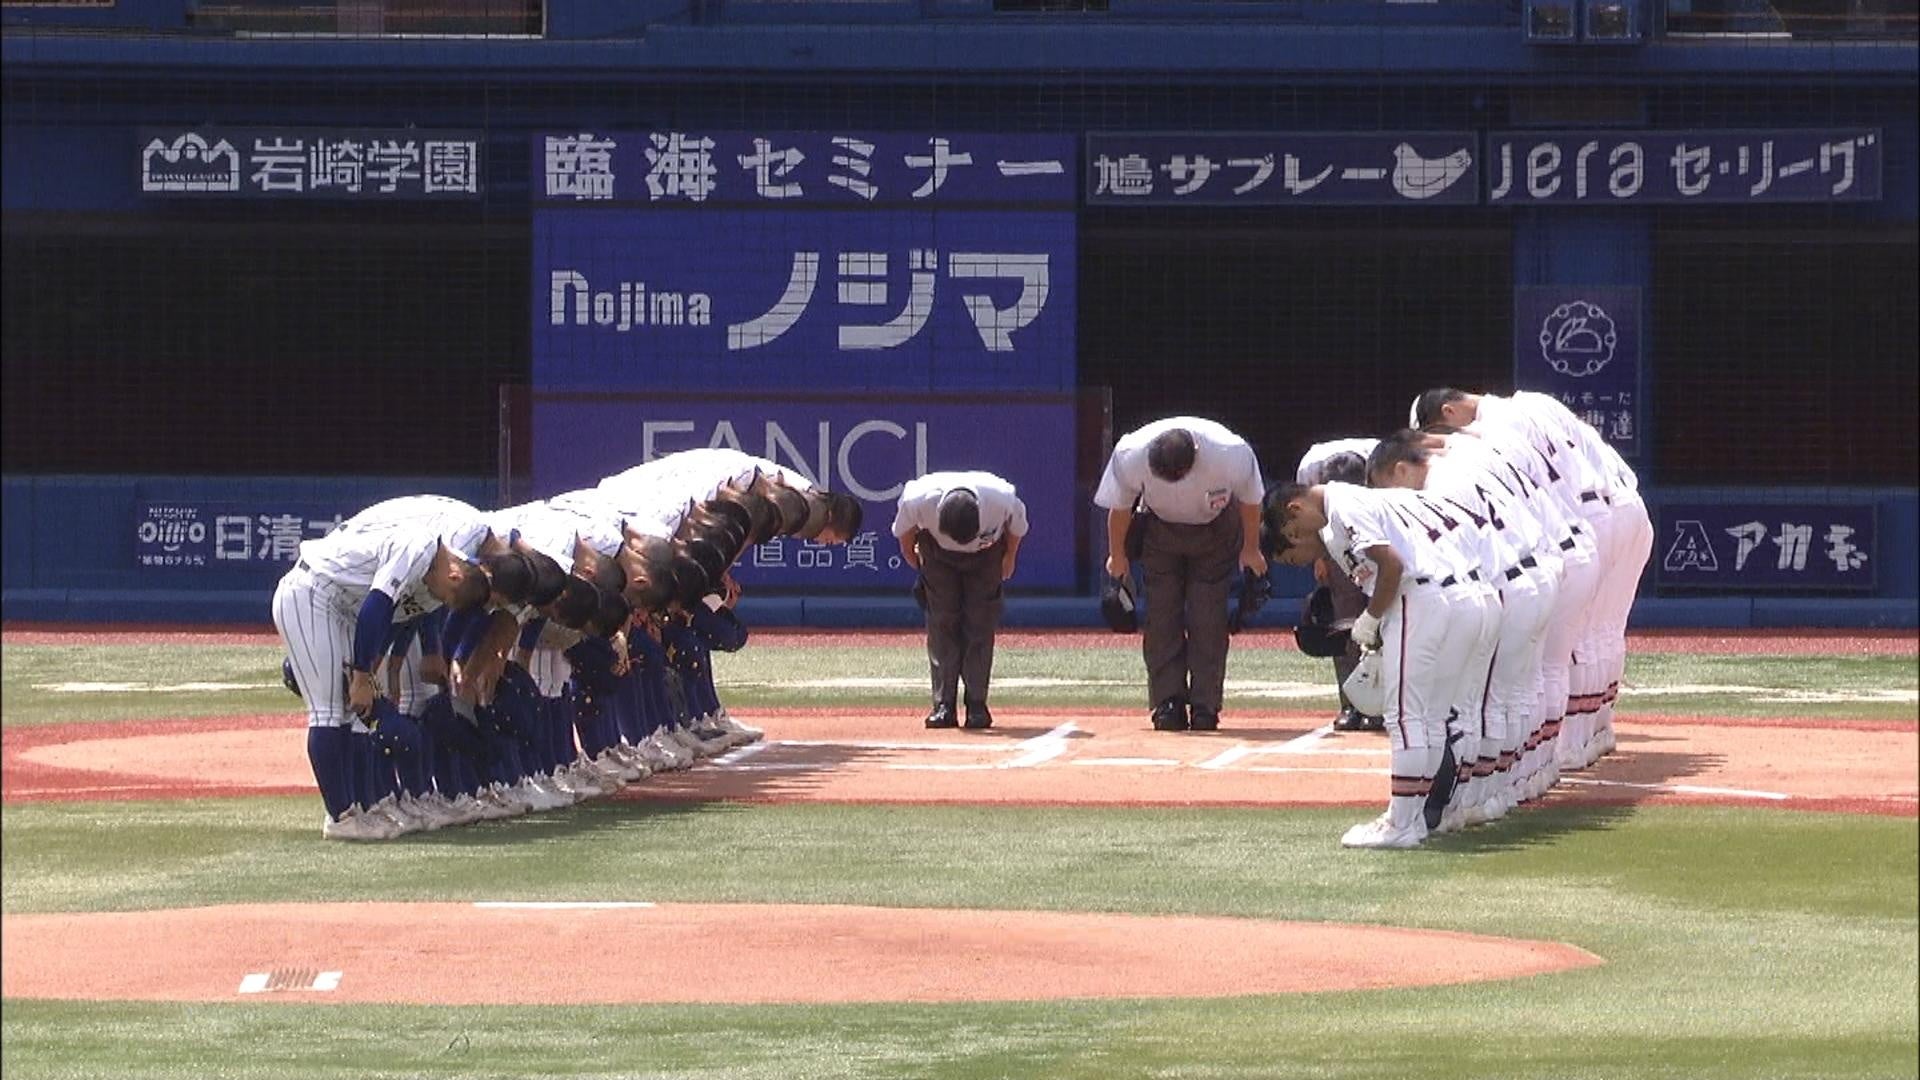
<point x="526" y="954"/>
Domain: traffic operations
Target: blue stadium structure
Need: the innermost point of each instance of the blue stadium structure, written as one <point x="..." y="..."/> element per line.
<point x="267" y="261"/>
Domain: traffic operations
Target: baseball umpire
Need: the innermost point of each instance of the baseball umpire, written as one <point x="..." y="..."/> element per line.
<point x="1190" y="490"/>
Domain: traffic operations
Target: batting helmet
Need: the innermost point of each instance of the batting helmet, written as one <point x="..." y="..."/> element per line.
<point x="1318" y="632"/>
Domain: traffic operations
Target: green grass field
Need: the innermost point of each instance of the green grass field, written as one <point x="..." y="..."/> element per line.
<point x="1739" y="943"/>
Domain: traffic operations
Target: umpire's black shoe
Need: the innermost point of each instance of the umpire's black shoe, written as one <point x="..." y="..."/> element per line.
<point x="942" y="717"/>
<point x="978" y="717"/>
<point x="1170" y="715"/>
<point x="1203" y="719"/>
<point x="1349" y="720"/>
<point x="1373" y="723"/>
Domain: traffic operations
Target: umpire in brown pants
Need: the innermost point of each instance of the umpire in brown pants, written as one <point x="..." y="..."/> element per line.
<point x="962" y="531"/>
<point x="1198" y="486"/>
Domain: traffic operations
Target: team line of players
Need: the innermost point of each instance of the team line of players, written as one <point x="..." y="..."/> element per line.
<point x="460" y="665"/>
<point x="1499" y="542"/>
<point x="554" y="651"/>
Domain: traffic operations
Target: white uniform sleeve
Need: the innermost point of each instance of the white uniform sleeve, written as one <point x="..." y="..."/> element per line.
<point x="1017" y="520"/>
<point x="1250" y="489"/>
<point x="1122" y="485"/>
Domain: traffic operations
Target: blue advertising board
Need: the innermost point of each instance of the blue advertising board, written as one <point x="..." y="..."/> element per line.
<point x="346" y="164"/>
<point x="865" y="447"/>
<point x="257" y="539"/>
<point x="1581" y="344"/>
<point x="913" y="300"/>
<point x="1615" y="167"/>
<point x="1382" y="168"/>
<point x="1756" y="547"/>
<point x="782" y="169"/>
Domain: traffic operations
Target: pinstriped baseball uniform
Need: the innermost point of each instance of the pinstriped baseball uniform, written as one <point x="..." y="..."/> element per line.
<point x="388" y="546"/>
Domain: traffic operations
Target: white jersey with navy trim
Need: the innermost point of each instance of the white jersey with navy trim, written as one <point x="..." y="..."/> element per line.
<point x="390" y="546"/>
<point x="550" y="531"/>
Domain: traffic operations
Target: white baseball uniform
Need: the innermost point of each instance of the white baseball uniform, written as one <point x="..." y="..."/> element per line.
<point x="389" y="546"/>
<point x="1434" y="627"/>
<point x="1311" y="469"/>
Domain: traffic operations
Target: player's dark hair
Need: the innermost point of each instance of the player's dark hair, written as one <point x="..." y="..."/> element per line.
<point x="1272" y="517"/>
<point x="1438" y="428"/>
<point x="1345" y="467"/>
<point x="713" y="558"/>
<point x="652" y="587"/>
<point x="576" y="603"/>
<point x="792" y="507"/>
<point x="473" y="591"/>
<point x="1426" y="408"/>
<point x="843" y="514"/>
<point x="1273" y="505"/>
<point x="611" y="614"/>
<point x="960" y="515"/>
<point x="765" y="519"/>
<point x="1170" y="455"/>
<point x="548" y="579"/>
<point x="690" y="580"/>
<point x="603" y="571"/>
<point x="1401" y="446"/>
<point x="510" y="576"/>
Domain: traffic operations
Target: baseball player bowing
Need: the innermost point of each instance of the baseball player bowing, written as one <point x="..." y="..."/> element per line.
<point x="1526" y="574"/>
<point x="1427" y="612"/>
<point x="335" y="610"/>
<point x="962" y="532"/>
<point x="1345" y="461"/>
<point x="1198" y="486"/>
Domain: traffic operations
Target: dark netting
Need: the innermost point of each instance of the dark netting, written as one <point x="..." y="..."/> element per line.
<point x="306" y="339"/>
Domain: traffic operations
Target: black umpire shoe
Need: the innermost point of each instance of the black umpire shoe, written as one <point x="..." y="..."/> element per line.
<point x="1373" y="723"/>
<point x="942" y="717"/>
<point x="1349" y="720"/>
<point x="1170" y="715"/>
<point x="1204" y="719"/>
<point x="978" y="717"/>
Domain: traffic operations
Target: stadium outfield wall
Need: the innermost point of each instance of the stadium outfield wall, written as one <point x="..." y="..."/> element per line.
<point x="201" y="371"/>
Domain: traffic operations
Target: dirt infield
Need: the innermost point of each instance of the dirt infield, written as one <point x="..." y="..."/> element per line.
<point x="478" y="954"/>
<point x="1035" y="756"/>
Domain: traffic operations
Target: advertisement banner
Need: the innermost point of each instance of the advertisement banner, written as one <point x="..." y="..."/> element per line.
<point x="865" y="447"/>
<point x="693" y="300"/>
<point x="1615" y="167"/>
<point x="343" y="164"/>
<point x="1581" y="344"/>
<point x="782" y="169"/>
<point x="1757" y="547"/>
<point x="1383" y="168"/>
<point x="257" y="539"/>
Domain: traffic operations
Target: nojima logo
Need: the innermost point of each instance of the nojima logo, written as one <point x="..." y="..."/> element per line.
<point x="570" y="295"/>
<point x="189" y="163"/>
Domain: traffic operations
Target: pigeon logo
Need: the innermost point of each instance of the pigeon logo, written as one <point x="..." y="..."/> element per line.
<point x="1416" y="177"/>
<point x="1578" y="338"/>
<point x="189" y="163"/>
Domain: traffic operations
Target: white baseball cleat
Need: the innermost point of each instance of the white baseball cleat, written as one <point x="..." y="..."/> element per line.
<point x="1381" y="833"/>
<point x="429" y="816"/>
<point x="743" y="733"/>
<point x="471" y="809"/>
<point x="530" y="791"/>
<point x="354" y="825"/>
<point x="403" y="822"/>
<point x="675" y="756"/>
